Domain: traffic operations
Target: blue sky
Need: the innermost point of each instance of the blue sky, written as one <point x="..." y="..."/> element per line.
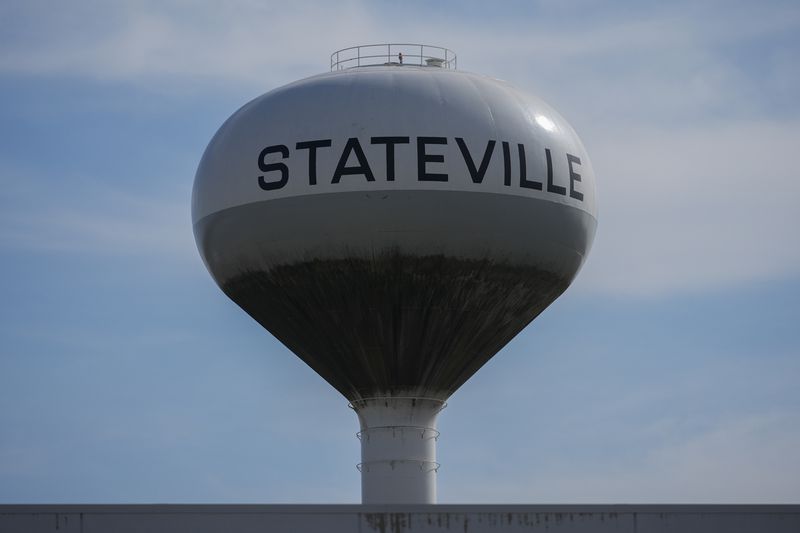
<point x="668" y="373"/>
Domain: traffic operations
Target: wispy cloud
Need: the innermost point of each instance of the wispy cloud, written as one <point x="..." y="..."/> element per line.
<point x="238" y="42"/>
<point x="246" y="41"/>
<point x="689" y="111"/>
<point x="705" y="207"/>
<point x="685" y="130"/>
<point x="93" y="218"/>
<point x="747" y="459"/>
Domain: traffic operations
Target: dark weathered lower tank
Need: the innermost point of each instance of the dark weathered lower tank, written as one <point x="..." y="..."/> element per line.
<point x="377" y="311"/>
<point x="394" y="322"/>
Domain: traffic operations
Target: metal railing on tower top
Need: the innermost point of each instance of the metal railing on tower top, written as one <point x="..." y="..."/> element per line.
<point x="394" y="54"/>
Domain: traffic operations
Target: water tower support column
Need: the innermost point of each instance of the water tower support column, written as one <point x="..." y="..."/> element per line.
<point x="398" y="448"/>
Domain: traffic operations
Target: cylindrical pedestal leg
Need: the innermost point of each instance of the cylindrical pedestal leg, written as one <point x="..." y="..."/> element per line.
<point x="398" y="449"/>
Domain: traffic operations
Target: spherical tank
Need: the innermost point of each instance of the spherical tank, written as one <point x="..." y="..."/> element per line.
<point x="394" y="227"/>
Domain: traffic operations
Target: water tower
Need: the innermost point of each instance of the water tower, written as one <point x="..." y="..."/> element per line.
<point x="395" y="222"/>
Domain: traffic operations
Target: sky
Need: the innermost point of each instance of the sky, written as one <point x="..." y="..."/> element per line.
<point x="667" y="373"/>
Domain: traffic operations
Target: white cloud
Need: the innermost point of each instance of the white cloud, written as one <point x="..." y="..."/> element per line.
<point x="238" y="42"/>
<point x="247" y="41"/>
<point x="707" y="206"/>
<point x="94" y="218"/>
<point x="748" y="459"/>
<point x="696" y="184"/>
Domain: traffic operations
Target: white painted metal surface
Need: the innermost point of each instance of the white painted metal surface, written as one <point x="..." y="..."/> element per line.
<point x="398" y="449"/>
<point x="416" y="104"/>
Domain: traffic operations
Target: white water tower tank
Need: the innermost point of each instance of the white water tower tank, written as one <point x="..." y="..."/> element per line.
<point x="395" y="222"/>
